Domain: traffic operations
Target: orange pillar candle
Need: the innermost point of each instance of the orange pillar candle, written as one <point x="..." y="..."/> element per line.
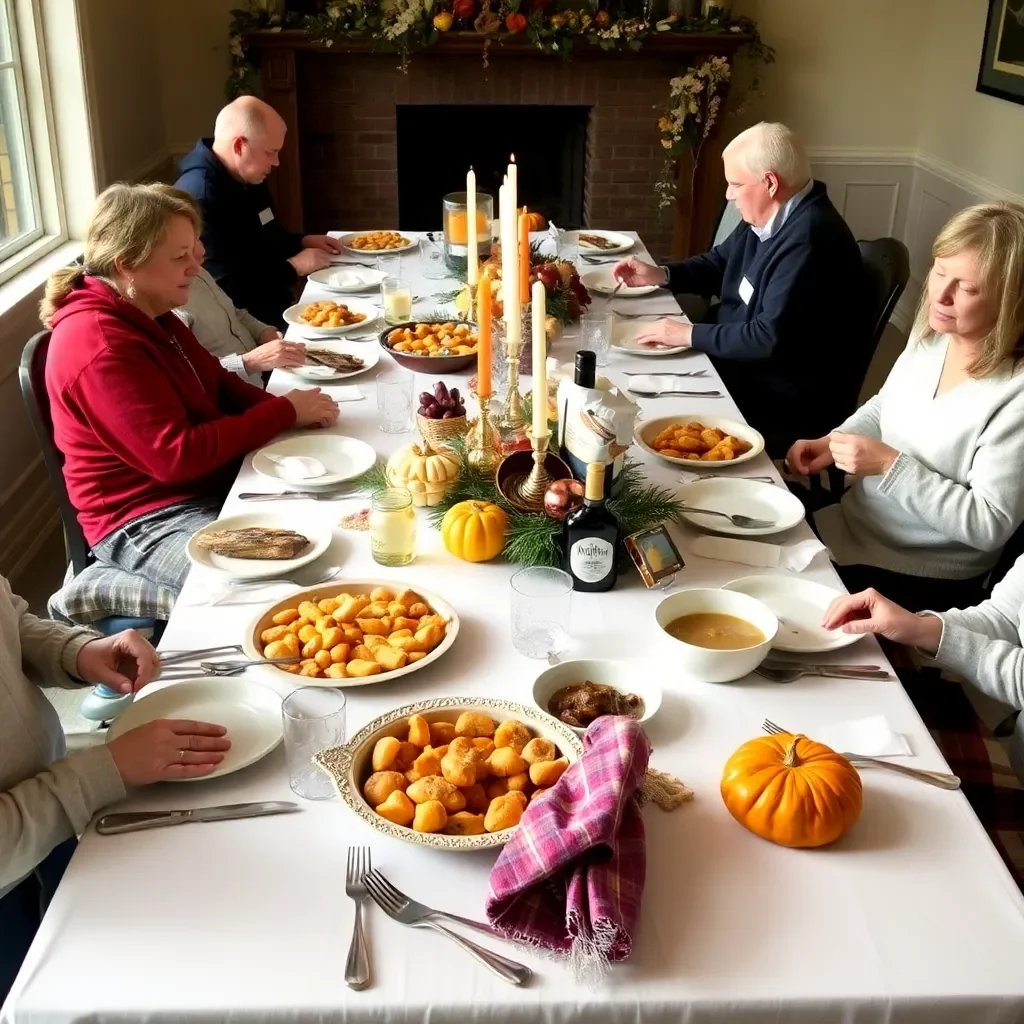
<point x="524" y="257"/>
<point x="483" y="331"/>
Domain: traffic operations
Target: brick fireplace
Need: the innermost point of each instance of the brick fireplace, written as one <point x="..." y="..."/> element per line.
<point x="340" y="166"/>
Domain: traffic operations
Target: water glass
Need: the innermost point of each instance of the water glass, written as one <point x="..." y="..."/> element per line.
<point x="541" y="601"/>
<point x="390" y="266"/>
<point x="396" y="297"/>
<point x="394" y="401"/>
<point x="313" y="718"/>
<point x="393" y="527"/>
<point x="596" y="335"/>
<point x="433" y="262"/>
<point x="569" y="246"/>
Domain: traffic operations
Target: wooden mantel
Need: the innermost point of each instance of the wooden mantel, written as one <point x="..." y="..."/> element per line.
<point x="695" y="215"/>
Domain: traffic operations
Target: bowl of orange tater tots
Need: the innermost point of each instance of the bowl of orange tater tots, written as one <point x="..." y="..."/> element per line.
<point x="429" y="346"/>
<point x="452" y="773"/>
<point x="699" y="442"/>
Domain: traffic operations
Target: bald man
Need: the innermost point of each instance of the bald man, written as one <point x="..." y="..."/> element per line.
<point x="248" y="252"/>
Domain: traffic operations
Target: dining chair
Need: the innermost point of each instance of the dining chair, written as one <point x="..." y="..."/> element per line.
<point x="103" y="703"/>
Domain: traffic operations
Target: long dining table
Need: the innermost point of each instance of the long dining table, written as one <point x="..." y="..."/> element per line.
<point x="912" y="916"/>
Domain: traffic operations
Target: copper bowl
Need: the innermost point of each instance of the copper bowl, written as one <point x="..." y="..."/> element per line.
<point x="427" y="364"/>
<point x="517" y="465"/>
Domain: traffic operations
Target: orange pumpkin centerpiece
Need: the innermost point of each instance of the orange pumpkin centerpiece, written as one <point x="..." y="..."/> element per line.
<point x="792" y="791"/>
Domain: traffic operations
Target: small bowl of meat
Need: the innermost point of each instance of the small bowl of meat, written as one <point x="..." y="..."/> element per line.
<point x="578" y="692"/>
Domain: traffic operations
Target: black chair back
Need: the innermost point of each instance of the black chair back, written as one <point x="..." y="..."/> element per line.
<point x="886" y="271"/>
<point x="32" y="377"/>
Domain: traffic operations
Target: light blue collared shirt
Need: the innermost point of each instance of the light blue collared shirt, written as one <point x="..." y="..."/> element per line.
<point x="781" y="216"/>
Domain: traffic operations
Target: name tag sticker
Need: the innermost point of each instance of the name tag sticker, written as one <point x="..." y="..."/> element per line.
<point x="746" y="291"/>
<point x="266" y="216"/>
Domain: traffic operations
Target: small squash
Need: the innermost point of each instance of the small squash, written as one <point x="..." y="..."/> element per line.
<point x="427" y="474"/>
<point x="792" y="791"/>
<point x="474" y="530"/>
<point x="536" y="221"/>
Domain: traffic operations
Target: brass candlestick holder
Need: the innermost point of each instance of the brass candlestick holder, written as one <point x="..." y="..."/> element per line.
<point x="470" y="314"/>
<point x="529" y="489"/>
<point x="481" y="452"/>
<point x="513" y="419"/>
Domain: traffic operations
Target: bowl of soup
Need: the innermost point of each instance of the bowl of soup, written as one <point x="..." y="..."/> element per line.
<point x="714" y="637"/>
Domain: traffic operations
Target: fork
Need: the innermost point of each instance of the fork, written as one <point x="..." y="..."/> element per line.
<point x="791" y="673"/>
<point x="940" y="779"/>
<point x="719" y="476"/>
<point x="263" y="581"/>
<point x="647" y="316"/>
<point x="675" y="373"/>
<point x="357" y="967"/>
<point x="683" y="394"/>
<point x="743" y="522"/>
<point x="420" y="910"/>
<point x="403" y="911"/>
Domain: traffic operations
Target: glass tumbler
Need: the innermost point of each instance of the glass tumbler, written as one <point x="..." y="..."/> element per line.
<point x="313" y="718"/>
<point x="596" y="335"/>
<point x="394" y="401"/>
<point x="541" y="602"/>
<point x="393" y="527"/>
<point x="396" y="297"/>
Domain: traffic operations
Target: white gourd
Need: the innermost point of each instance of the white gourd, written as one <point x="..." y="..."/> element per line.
<point x="425" y="473"/>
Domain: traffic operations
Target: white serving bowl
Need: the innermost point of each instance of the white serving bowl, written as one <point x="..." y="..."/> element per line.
<point x="617" y="674"/>
<point x="704" y="663"/>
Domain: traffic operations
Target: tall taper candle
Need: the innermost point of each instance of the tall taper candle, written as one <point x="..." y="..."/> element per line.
<point x="524" y="256"/>
<point x="540" y="362"/>
<point x="472" y="252"/>
<point x="483" y="331"/>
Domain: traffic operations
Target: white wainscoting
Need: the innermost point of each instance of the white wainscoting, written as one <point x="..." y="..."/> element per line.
<point x="904" y="194"/>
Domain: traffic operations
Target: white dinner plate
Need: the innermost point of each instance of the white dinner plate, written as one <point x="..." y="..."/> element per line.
<point x="619" y="243"/>
<point x="342" y="457"/>
<point x="651" y="428"/>
<point x="624" y="334"/>
<point x="600" y="280"/>
<point x="752" y="498"/>
<point x="799" y="606"/>
<point x="319" y="535"/>
<point x="370" y="355"/>
<point x="348" y="280"/>
<point x="251" y="713"/>
<point x="293" y="316"/>
<point x="352" y="235"/>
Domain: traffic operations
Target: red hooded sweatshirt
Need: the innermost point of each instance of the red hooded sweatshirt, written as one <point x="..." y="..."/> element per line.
<point x="139" y="427"/>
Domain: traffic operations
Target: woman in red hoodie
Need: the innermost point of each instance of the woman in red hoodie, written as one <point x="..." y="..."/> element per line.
<point x="152" y="428"/>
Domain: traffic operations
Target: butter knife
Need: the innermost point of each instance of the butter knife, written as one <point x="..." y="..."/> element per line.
<point x="286" y="495"/>
<point x="135" y="821"/>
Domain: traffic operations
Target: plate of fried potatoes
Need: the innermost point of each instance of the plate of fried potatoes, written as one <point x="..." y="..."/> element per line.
<point x="713" y="441"/>
<point x="432" y="346"/>
<point x="327" y="319"/>
<point x="374" y="242"/>
<point x="453" y="773"/>
<point x="354" y="633"/>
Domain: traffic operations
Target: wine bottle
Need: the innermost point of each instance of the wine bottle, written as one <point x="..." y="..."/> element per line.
<point x="590" y="538"/>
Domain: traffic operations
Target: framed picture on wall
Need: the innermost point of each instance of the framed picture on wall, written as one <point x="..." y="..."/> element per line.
<point x="1002" y="58"/>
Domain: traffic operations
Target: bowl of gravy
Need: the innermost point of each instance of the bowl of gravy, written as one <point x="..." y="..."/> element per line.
<point x="715" y="638"/>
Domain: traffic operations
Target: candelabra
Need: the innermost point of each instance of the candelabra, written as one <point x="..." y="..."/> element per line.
<point x="529" y="489"/>
<point x="481" y="452"/>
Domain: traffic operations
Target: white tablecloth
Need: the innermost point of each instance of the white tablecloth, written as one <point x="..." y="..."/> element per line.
<point x="911" y="917"/>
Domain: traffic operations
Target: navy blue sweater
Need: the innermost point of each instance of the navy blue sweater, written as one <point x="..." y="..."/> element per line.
<point x="787" y="355"/>
<point x="247" y="250"/>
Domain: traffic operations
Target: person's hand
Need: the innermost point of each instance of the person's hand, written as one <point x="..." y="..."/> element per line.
<point x="809" y="458"/>
<point x="313" y="408"/>
<point x="274" y="354"/>
<point x="633" y="272"/>
<point x="665" y="334"/>
<point x="309" y="260"/>
<point x="861" y="456"/>
<point x="168" y="749"/>
<point x="869" y="612"/>
<point x="325" y="242"/>
<point x="125" y="662"/>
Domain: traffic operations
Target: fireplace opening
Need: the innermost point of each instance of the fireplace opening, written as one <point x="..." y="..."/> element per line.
<point x="549" y="143"/>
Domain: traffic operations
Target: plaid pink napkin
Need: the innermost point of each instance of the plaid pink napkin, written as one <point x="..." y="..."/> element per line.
<point x="571" y="879"/>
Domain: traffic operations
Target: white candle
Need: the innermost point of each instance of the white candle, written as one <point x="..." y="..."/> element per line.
<point x="510" y="260"/>
<point x="513" y="184"/>
<point x="471" y="244"/>
<point x="540" y="358"/>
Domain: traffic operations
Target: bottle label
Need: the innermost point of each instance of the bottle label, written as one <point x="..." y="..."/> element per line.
<point x="591" y="559"/>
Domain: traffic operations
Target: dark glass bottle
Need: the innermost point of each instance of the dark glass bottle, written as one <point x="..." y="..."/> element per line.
<point x="591" y="537"/>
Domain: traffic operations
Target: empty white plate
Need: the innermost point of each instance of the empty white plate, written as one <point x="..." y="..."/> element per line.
<point x="357" y="279"/>
<point x="251" y="714"/>
<point x="602" y="281"/>
<point x="616" y="242"/>
<point x="319" y="535"/>
<point x="750" y="498"/>
<point x="293" y="316"/>
<point x="624" y="334"/>
<point x="342" y="457"/>
<point x="370" y="355"/>
<point x="799" y="606"/>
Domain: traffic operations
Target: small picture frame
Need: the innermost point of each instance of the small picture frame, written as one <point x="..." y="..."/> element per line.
<point x="655" y="555"/>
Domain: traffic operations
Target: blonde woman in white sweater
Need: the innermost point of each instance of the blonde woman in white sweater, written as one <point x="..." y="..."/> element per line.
<point x="46" y="796"/>
<point x="938" y="453"/>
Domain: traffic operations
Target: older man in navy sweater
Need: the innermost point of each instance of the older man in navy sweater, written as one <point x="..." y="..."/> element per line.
<point x="791" y="324"/>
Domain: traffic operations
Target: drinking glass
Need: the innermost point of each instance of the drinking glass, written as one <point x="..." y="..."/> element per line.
<point x="541" y="601"/>
<point x="393" y="527"/>
<point x="433" y="262"/>
<point x="313" y="718"/>
<point x="394" y="401"/>
<point x="396" y="297"/>
<point x="596" y="335"/>
<point x="569" y="246"/>
<point x="391" y="266"/>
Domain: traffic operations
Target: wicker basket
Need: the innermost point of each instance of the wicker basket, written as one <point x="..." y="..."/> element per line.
<point x="437" y="433"/>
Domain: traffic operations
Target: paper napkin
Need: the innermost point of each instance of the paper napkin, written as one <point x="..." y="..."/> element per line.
<point x="296" y="468"/>
<point x="872" y="736"/>
<point x="348" y="393"/>
<point x="794" y="556"/>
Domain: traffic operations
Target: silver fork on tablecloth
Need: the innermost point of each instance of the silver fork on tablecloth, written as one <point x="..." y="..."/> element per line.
<point x="941" y="779"/>
<point x="357" y="967"/>
<point x="419" y="911"/>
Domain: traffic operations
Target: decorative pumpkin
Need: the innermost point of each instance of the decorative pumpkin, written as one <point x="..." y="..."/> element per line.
<point x="516" y="22"/>
<point x="443" y="21"/>
<point x="427" y="474"/>
<point x="474" y="530"/>
<point x="537" y="221"/>
<point x="792" y="791"/>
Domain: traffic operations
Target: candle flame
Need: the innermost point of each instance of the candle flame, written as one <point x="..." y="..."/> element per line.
<point x="513" y="158"/>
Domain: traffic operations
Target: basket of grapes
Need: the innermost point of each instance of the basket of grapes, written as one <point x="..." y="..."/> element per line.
<point x="441" y="415"/>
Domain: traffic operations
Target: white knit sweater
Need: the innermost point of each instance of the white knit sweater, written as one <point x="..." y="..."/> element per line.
<point x="955" y="495"/>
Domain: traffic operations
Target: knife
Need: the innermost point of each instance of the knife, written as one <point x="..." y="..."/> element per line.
<point x="134" y="821"/>
<point x="285" y="495"/>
